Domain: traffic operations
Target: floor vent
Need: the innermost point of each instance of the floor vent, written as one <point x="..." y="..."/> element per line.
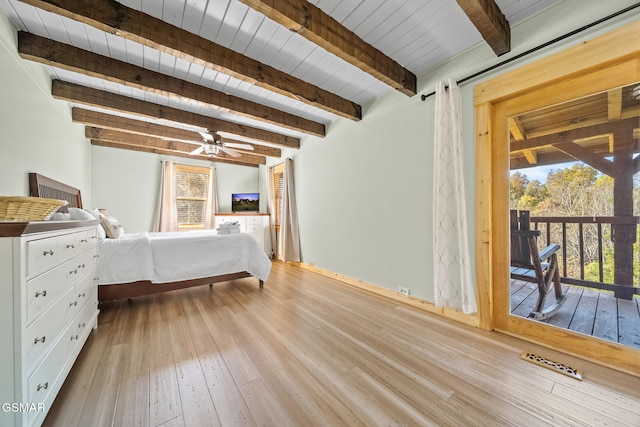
<point x="550" y="364"/>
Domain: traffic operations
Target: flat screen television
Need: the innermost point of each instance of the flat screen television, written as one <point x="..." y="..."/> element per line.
<point x="245" y="202"/>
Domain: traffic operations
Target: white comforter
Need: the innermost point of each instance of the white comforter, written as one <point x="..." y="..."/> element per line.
<point x="177" y="256"/>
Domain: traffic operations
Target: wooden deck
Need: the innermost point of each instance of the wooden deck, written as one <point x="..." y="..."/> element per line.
<point x="588" y="311"/>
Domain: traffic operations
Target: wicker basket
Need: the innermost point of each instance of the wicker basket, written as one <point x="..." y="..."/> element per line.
<point x="20" y="208"/>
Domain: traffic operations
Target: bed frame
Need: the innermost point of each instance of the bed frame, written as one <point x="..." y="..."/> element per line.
<point x="41" y="186"/>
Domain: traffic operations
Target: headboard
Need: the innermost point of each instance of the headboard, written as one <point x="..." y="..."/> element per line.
<point x="41" y="186"/>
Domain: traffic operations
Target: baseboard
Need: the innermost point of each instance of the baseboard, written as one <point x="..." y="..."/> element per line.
<point x="449" y="313"/>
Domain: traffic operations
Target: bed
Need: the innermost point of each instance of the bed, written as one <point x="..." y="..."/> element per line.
<point x="141" y="264"/>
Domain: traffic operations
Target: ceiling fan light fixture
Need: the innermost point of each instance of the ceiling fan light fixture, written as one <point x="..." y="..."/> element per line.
<point x="211" y="150"/>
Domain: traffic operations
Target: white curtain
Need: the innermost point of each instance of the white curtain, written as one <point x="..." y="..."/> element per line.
<point x="212" y="201"/>
<point x="166" y="211"/>
<point x="270" y="206"/>
<point x="452" y="271"/>
<point x="289" y="243"/>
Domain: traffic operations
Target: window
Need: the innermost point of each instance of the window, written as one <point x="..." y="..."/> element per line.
<point x="192" y="189"/>
<point x="278" y="188"/>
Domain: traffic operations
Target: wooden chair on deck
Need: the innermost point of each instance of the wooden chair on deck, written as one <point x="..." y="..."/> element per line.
<point x="532" y="266"/>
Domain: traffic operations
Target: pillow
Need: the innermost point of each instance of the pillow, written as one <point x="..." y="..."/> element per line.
<point x="111" y="226"/>
<point x="78" y="214"/>
<point x="102" y="234"/>
<point x="60" y="216"/>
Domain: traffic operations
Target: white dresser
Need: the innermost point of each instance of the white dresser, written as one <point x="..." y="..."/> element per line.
<point x="257" y="225"/>
<point x="48" y="307"/>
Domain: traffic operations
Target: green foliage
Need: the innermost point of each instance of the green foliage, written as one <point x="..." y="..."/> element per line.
<point x="578" y="191"/>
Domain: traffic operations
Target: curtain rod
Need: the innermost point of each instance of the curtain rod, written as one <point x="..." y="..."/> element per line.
<point x="542" y="46"/>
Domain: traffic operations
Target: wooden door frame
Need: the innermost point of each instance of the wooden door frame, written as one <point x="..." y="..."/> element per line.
<point x="593" y="66"/>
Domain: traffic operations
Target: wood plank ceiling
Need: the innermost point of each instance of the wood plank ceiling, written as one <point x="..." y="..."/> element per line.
<point x="147" y="75"/>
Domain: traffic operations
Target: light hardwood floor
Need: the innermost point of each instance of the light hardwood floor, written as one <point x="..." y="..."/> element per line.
<point x="310" y="351"/>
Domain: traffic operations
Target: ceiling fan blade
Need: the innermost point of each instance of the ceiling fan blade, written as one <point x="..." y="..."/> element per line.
<point x="238" y="145"/>
<point x="197" y="150"/>
<point x="206" y="136"/>
<point x="229" y="151"/>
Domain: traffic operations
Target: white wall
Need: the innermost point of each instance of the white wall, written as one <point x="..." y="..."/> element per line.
<point x="126" y="183"/>
<point x="36" y="131"/>
<point x="364" y="192"/>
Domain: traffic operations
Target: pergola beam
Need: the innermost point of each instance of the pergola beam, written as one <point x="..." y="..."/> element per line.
<point x="115" y="18"/>
<point x="312" y="23"/>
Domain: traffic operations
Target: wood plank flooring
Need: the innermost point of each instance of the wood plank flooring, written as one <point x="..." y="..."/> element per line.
<point x="307" y="350"/>
<point x="588" y="311"/>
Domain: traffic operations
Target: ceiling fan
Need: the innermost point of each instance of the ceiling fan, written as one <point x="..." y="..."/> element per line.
<point x="212" y="145"/>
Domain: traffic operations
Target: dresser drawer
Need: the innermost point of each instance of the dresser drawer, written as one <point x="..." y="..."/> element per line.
<point x="84" y="320"/>
<point x="43" y="332"/>
<point x="85" y="288"/>
<point x="42" y="254"/>
<point x="255" y="229"/>
<point x="44" y="379"/>
<point x="42" y="290"/>
<point x="254" y="220"/>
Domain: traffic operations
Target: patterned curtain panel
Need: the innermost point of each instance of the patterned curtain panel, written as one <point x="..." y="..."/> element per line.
<point x="452" y="272"/>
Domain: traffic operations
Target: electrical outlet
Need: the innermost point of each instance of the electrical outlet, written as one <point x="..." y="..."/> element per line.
<point x="403" y="291"/>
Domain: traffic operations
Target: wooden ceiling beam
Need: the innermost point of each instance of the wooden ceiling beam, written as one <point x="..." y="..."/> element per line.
<point x="120" y="137"/>
<point x="178" y="140"/>
<point x="490" y="22"/>
<point x="168" y="152"/>
<point x="316" y="26"/>
<point x="98" y="98"/>
<point x="60" y="55"/>
<point x="115" y="18"/>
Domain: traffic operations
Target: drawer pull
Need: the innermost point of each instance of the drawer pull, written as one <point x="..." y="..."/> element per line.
<point x="37" y="340"/>
<point x="81" y="266"/>
<point x="43" y="293"/>
<point x="84" y="241"/>
<point x="43" y="387"/>
<point x="81" y="325"/>
<point x="82" y="295"/>
<point x="94" y="237"/>
<point x="71" y="246"/>
<point x="74" y="337"/>
<point x="49" y="252"/>
<point x="73" y="271"/>
<point x="73" y="303"/>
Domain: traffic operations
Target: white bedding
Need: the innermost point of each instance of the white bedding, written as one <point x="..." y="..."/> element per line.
<point x="177" y="256"/>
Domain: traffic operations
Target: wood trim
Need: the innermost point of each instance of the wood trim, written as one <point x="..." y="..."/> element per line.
<point x="120" y="291"/>
<point x="50" y="52"/>
<point x="467" y="319"/>
<point x="312" y="23"/>
<point x="594" y="66"/>
<point x="98" y="98"/>
<point x="598" y="53"/>
<point x="115" y="18"/>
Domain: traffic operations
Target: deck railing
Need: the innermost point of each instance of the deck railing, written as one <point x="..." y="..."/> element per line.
<point x="585" y="240"/>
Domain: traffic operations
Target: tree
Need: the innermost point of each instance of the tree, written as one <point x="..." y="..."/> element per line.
<point x="517" y="186"/>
